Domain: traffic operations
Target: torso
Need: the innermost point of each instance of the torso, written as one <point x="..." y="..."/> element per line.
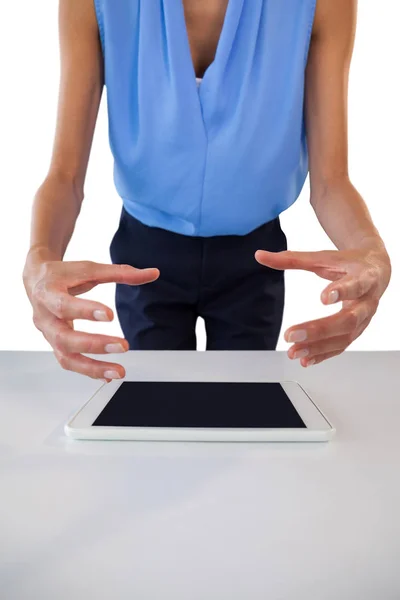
<point x="227" y="158"/>
<point x="204" y="22"/>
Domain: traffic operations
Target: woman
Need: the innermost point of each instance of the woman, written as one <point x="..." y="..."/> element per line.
<point x="217" y="111"/>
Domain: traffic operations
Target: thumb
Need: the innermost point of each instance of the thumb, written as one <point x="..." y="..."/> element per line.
<point x="120" y="273"/>
<point x="329" y="264"/>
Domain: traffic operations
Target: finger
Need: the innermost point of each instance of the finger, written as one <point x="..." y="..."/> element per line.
<point x="68" y="341"/>
<point x="105" y="273"/>
<point x="332" y="344"/>
<point x="349" y="288"/>
<point x="329" y="345"/>
<point x="67" y="307"/>
<point x="90" y="367"/>
<point x="348" y="319"/>
<point x="41" y="315"/>
<point x="308" y="261"/>
<point x="62" y="337"/>
<point x="320" y="358"/>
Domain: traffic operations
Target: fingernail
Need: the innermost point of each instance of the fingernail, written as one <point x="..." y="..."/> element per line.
<point x="310" y="362"/>
<point x="114" y="348"/>
<point x="298" y="336"/>
<point x="333" y="297"/>
<point x="100" y="315"/>
<point x="112" y="375"/>
<point x="301" y="353"/>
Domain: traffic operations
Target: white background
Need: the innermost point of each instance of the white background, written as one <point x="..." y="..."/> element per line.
<point x="28" y="100"/>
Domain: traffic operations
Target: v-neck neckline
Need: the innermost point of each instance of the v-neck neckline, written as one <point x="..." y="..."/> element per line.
<point x="219" y="44"/>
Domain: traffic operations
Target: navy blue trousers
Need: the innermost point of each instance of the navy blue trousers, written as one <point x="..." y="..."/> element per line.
<point x="216" y="278"/>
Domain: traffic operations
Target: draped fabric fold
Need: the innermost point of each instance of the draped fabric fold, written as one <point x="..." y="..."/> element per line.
<point x="216" y="159"/>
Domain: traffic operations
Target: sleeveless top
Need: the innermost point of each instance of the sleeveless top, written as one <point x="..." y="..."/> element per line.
<point x="222" y="158"/>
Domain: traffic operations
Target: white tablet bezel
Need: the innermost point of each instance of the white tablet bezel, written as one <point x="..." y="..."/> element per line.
<point x="318" y="428"/>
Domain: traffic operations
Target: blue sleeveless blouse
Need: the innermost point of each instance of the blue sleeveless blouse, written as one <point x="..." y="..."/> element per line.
<point x="220" y="159"/>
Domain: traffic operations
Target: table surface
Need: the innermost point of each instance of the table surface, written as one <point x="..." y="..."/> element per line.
<point x="145" y="520"/>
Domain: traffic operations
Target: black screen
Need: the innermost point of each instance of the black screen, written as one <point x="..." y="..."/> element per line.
<point x="199" y="404"/>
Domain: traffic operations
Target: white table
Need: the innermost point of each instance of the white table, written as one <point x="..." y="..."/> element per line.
<point x="184" y="521"/>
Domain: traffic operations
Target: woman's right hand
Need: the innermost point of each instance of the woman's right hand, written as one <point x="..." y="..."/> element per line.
<point x="52" y="287"/>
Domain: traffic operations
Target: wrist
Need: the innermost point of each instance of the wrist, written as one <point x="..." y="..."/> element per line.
<point x="376" y="247"/>
<point x="42" y="253"/>
<point x="379" y="256"/>
<point x="373" y="241"/>
<point x="37" y="255"/>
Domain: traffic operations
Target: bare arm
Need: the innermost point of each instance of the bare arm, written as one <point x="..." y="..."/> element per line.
<point x="51" y="283"/>
<point x="58" y="201"/>
<point x="360" y="268"/>
<point x="339" y="207"/>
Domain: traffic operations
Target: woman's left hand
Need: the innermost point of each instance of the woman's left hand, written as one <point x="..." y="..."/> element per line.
<point x="360" y="278"/>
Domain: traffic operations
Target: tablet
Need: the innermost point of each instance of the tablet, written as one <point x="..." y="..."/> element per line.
<point x="201" y="411"/>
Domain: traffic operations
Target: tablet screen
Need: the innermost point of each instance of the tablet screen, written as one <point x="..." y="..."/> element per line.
<point x="199" y="404"/>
